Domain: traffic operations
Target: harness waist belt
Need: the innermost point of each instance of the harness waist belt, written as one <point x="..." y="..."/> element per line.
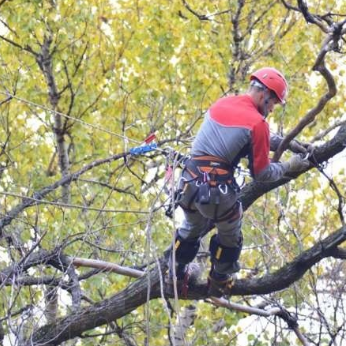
<point x="211" y="169"/>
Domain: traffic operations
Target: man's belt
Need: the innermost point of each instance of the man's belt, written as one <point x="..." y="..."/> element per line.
<point x="211" y="169"/>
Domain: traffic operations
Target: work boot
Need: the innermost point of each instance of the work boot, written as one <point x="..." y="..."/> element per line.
<point x="220" y="284"/>
<point x="187" y="275"/>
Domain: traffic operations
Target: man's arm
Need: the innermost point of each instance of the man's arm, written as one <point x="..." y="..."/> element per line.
<point x="295" y="146"/>
<point x="264" y="170"/>
<point x="260" y="166"/>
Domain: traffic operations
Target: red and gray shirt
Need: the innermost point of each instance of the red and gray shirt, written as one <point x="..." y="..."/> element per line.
<point x="232" y="129"/>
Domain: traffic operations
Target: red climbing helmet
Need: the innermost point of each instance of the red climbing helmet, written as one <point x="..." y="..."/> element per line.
<point x="273" y="80"/>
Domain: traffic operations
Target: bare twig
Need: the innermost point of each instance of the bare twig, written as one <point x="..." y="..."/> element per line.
<point x="9" y="98"/>
<point x="70" y="117"/>
<point x="310" y="18"/>
<point x="113" y="188"/>
<point x="39" y="195"/>
<point x="333" y="185"/>
<point x="319" y="66"/>
<point x="2" y="2"/>
<point x="37" y="201"/>
<point x="17" y="45"/>
<point x="199" y="16"/>
<point x="328" y="130"/>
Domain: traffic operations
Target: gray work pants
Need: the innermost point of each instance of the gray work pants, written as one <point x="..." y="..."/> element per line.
<point x="224" y="209"/>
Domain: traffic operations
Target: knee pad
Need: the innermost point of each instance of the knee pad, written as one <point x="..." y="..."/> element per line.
<point x="223" y="254"/>
<point x="186" y="249"/>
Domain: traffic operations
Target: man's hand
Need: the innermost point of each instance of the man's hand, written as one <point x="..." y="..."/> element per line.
<point x="299" y="147"/>
<point x="295" y="146"/>
<point x="297" y="163"/>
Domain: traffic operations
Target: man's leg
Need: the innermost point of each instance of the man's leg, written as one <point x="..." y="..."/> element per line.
<point x="187" y="237"/>
<point x="187" y="241"/>
<point x="225" y="248"/>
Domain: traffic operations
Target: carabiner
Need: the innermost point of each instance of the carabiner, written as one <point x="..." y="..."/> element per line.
<point x="223" y="189"/>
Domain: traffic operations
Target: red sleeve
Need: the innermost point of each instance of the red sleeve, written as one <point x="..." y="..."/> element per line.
<point x="260" y="147"/>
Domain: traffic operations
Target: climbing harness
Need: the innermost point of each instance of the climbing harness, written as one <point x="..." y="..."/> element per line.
<point x="206" y="171"/>
<point x="211" y="172"/>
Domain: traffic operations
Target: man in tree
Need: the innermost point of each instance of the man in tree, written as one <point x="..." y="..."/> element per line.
<point x="234" y="127"/>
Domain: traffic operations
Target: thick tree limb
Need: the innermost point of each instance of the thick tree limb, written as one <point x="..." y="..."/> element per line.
<point x="99" y="314"/>
<point x="338" y="253"/>
<point x="255" y="190"/>
<point x="135" y="294"/>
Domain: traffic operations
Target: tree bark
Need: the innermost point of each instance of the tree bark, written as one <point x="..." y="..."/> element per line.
<point x="45" y="62"/>
<point x="136" y="295"/>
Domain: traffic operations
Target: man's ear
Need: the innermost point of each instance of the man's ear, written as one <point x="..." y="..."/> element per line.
<point x="261" y="96"/>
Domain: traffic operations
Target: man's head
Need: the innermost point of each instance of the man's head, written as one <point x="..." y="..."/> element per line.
<point x="268" y="87"/>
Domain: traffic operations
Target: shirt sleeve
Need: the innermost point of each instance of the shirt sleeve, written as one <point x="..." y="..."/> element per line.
<point x="260" y="166"/>
<point x="259" y="155"/>
<point x="275" y="141"/>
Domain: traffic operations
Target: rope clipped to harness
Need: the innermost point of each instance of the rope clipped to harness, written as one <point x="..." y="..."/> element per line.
<point x="146" y="146"/>
<point x="174" y="159"/>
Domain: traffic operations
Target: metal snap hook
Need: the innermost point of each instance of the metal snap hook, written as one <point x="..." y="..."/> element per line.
<point x="223" y="189"/>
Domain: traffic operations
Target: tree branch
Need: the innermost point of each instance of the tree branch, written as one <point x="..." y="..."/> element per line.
<point x="328" y="130"/>
<point x="73" y="287"/>
<point x="339" y="253"/>
<point x="136" y="294"/>
<point x="33" y="259"/>
<point x="15" y="44"/>
<point x="45" y="62"/>
<point x="311" y="115"/>
<point x="106" y="266"/>
<point x="48" y="189"/>
<point x="2" y="2"/>
<point x="199" y="16"/>
<point x="254" y="190"/>
<point x="309" y="17"/>
<point x="8" y="98"/>
<point x="275" y="311"/>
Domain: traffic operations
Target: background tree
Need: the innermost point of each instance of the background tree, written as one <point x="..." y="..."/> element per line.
<point x="82" y="83"/>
